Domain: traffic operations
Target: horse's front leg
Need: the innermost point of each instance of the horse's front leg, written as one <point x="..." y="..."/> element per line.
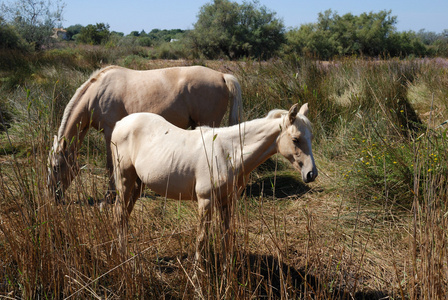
<point x="226" y="242"/>
<point x="111" y="192"/>
<point x="204" y="208"/>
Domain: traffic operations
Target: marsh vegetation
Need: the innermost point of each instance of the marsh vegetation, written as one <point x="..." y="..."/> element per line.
<point x="374" y="224"/>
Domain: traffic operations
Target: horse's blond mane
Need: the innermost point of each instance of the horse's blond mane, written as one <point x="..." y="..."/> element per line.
<point x="276" y="113"/>
<point x="78" y="94"/>
<point x="305" y="120"/>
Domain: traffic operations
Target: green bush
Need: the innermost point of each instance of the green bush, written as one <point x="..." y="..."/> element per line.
<point x="97" y="34"/>
<point x="369" y="34"/>
<point x="228" y="29"/>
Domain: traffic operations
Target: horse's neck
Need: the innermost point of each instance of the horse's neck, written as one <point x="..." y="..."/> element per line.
<point x="259" y="142"/>
<point x="76" y="124"/>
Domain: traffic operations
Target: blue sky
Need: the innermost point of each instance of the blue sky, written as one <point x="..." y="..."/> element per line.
<point x="130" y="15"/>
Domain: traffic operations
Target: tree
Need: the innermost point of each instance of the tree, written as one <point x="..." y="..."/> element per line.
<point x="427" y="37"/>
<point x="160" y="36"/>
<point x="73" y="30"/>
<point x="225" y="28"/>
<point x="332" y="35"/>
<point x="34" y="20"/>
<point x="94" y="34"/>
<point x="373" y="30"/>
<point x="9" y="38"/>
<point x="441" y="44"/>
<point x="315" y="39"/>
<point x="405" y="43"/>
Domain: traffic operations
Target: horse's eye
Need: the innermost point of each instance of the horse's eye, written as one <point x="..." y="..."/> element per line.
<point x="56" y="168"/>
<point x="296" y="140"/>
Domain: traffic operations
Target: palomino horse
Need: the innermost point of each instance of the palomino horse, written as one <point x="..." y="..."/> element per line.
<point x="204" y="164"/>
<point x="185" y="96"/>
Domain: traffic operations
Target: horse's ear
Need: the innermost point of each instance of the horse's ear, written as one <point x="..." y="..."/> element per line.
<point x="292" y="113"/>
<point x="304" y="110"/>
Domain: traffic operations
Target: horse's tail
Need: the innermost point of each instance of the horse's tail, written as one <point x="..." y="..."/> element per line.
<point x="236" y="102"/>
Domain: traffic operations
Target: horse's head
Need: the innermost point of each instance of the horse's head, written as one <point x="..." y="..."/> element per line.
<point x="61" y="167"/>
<point x="294" y="142"/>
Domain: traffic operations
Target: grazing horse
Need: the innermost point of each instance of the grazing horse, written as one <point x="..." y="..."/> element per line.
<point x="185" y="96"/>
<point x="205" y="164"/>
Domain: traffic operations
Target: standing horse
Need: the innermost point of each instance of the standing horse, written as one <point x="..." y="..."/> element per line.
<point x="185" y="96"/>
<point x="204" y="164"/>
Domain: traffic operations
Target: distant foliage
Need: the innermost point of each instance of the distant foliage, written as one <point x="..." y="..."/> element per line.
<point x="406" y="43"/>
<point x="156" y="37"/>
<point x="369" y="34"/>
<point x="437" y="44"/>
<point x="159" y="36"/>
<point x="10" y="38"/>
<point x="34" y="20"/>
<point x="73" y="30"/>
<point x="94" y="34"/>
<point x="226" y="28"/>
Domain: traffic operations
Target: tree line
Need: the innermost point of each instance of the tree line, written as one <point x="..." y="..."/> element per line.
<point x="369" y="34"/>
<point x="226" y="29"/>
<point x="99" y="34"/>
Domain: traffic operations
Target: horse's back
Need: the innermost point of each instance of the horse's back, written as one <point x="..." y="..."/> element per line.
<point x="146" y="134"/>
<point x="139" y="124"/>
<point x="185" y="96"/>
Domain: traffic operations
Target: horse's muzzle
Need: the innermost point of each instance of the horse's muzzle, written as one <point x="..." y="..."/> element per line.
<point x="311" y="176"/>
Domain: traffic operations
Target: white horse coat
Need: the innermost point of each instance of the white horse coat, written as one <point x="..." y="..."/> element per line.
<point x="204" y="164"/>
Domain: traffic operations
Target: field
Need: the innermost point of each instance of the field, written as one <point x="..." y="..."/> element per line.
<point x="373" y="225"/>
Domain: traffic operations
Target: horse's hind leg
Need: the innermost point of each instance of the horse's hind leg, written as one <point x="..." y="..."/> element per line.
<point x="138" y="188"/>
